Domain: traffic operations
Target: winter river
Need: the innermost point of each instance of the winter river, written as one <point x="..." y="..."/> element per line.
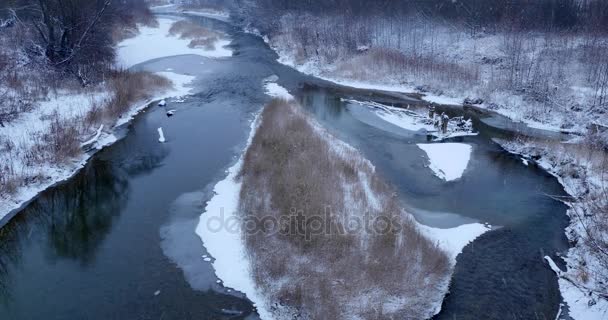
<point x="117" y="241"/>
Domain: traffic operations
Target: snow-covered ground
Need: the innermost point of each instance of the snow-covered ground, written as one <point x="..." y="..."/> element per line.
<point x="201" y="12"/>
<point x="156" y="42"/>
<point x="27" y="131"/>
<point x="581" y="174"/>
<point x="225" y="243"/>
<point x="276" y="91"/>
<point x="414" y="120"/>
<point x="220" y="230"/>
<point x="567" y="106"/>
<point x="448" y="160"/>
<point x="453" y="240"/>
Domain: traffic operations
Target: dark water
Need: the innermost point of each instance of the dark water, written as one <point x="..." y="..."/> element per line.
<point x="118" y="242"/>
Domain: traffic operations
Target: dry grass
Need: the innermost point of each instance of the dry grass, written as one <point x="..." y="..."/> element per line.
<point x="128" y="88"/>
<point x="25" y="162"/>
<point x="383" y="62"/>
<point x="295" y="168"/>
<point x="199" y="36"/>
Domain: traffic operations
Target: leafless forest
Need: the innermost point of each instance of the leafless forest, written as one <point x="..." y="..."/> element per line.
<point x="541" y="60"/>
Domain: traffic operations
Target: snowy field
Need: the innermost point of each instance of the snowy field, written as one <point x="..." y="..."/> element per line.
<point x="156" y="42"/>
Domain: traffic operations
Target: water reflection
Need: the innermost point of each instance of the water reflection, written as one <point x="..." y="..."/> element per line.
<point x="504" y="268"/>
<point x="69" y="221"/>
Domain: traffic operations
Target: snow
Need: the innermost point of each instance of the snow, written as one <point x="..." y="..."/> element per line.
<point x="67" y="106"/>
<point x="469" y="53"/>
<point x="453" y="240"/>
<point x="218" y="15"/>
<point x="153" y="43"/>
<point x="162" y="103"/>
<point x="94" y="138"/>
<point x="219" y="229"/>
<point x="578" y="306"/>
<point x="557" y="160"/>
<point x="447" y="160"/>
<point x="574" y="295"/>
<point x="277" y="91"/>
<point x="161" y="135"/>
<point x="412" y="120"/>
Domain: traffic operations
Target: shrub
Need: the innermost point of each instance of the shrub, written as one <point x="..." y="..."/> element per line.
<point x="130" y="87"/>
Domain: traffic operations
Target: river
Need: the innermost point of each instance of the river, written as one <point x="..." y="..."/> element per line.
<point x="117" y="241"/>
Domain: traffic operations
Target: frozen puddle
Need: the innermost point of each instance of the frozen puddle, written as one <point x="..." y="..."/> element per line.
<point x="448" y="160"/>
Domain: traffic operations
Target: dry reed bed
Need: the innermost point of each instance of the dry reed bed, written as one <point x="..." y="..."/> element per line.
<point x="199" y="36"/>
<point x="26" y="160"/>
<point x="295" y="168"/>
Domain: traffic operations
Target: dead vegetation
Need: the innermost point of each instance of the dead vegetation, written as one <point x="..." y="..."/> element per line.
<point x="128" y="87"/>
<point x="198" y="35"/>
<point x="325" y="266"/>
<point x="26" y="158"/>
<point x="383" y="62"/>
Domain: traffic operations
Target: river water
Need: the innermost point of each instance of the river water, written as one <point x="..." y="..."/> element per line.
<point x="117" y="241"/>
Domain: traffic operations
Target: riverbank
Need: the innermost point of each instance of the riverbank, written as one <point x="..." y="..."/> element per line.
<point x="581" y="303"/>
<point x="580" y="170"/>
<point x="52" y="140"/>
<point x="259" y="268"/>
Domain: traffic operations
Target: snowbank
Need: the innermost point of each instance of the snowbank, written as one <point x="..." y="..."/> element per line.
<point x="564" y="114"/>
<point x="225" y="243"/>
<point x="66" y="106"/>
<point x="276" y="91"/>
<point x="212" y="14"/>
<point x="453" y="240"/>
<point x="153" y="43"/>
<point x="415" y="121"/>
<point x="448" y="160"/>
<point x="200" y="12"/>
<point x="582" y="180"/>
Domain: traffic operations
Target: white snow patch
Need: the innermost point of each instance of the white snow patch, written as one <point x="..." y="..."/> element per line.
<point x="212" y="14"/>
<point x="448" y="160"/>
<point x="453" y="240"/>
<point x="153" y="43"/>
<point x="277" y="91"/>
<point x="161" y="135"/>
<point x="95" y="138"/>
<point x="224" y="241"/>
<point x="414" y="121"/>
<point x="181" y="83"/>
<point x="67" y="106"/>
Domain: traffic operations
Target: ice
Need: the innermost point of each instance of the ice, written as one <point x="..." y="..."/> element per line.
<point x="161" y="135"/>
<point x="448" y="160"/>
